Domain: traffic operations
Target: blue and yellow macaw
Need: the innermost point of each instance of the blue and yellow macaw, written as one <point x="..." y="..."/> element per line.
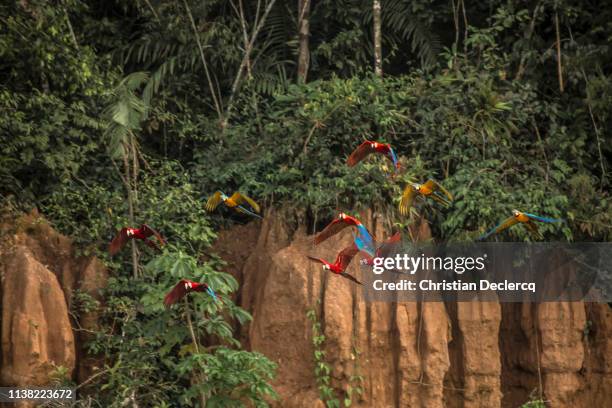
<point x="237" y="202"/>
<point x="430" y="189"/>
<point x="523" y="218"/>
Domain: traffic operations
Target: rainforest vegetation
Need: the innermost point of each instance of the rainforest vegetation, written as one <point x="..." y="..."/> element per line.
<point x="116" y="113"/>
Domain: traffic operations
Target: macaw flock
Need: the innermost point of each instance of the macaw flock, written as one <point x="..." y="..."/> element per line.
<point x="363" y="241"/>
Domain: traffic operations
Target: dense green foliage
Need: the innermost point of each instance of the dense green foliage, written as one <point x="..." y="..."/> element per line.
<point x="107" y="105"/>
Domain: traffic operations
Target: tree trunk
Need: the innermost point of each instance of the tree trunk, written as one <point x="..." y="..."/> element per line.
<point x="304" y="36"/>
<point x="377" y="38"/>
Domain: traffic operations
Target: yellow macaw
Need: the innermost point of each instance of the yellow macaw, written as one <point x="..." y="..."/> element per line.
<point x="237" y="202"/>
<point x="520" y="217"/>
<point x="430" y="189"/>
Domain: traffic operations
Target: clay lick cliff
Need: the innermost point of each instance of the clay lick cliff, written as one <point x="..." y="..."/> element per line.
<point x="42" y="338"/>
<point x="411" y="354"/>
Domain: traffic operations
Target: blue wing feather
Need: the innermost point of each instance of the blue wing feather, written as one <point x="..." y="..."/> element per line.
<point x="364" y="245"/>
<point x="365" y="236"/>
<point x="543" y="219"/>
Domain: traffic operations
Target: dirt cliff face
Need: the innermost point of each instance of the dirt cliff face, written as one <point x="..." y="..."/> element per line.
<point x="412" y="354"/>
<point x="39" y="273"/>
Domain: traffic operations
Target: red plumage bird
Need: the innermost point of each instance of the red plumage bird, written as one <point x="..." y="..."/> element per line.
<point x="342" y="262"/>
<point x="185" y="286"/>
<point x="368" y="147"/>
<point x="338" y="224"/>
<point x="142" y="233"/>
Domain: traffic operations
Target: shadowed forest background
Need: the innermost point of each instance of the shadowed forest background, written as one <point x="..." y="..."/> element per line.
<point x="117" y="113"/>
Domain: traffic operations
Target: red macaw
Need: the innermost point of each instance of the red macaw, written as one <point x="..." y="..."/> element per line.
<point x="339" y="224"/>
<point x="520" y="217"/>
<point x="185" y="286"/>
<point x="342" y="262"/>
<point x="369" y="147"/>
<point x="430" y="189"/>
<point x="142" y="233"/>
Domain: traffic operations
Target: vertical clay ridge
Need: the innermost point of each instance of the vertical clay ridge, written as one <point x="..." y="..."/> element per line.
<point x="396" y="356"/>
<point x="454" y="380"/>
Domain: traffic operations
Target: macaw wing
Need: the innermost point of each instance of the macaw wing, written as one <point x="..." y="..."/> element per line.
<point x="365" y="235"/>
<point x="176" y="293"/>
<point x="364" y="245"/>
<point x="319" y="260"/>
<point x="507" y="223"/>
<point x="543" y="219"/>
<point x="239" y="199"/>
<point x="151" y="244"/>
<point x="395" y="238"/>
<point x="384" y="250"/>
<point x="435" y="186"/>
<point x="345" y="256"/>
<point x="359" y="153"/>
<point x="148" y="232"/>
<point x="118" y="241"/>
<point x="533" y="228"/>
<point x="407" y="199"/>
<point x="213" y="201"/>
<point x="350" y="277"/>
<point x="331" y="229"/>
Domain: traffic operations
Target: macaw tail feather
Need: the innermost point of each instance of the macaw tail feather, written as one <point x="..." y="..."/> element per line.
<point x="248" y="212"/>
<point x="543" y="219"/>
<point x="394" y="158"/>
<point x="440" y="200"/>
<point x="212" y="294"/>
<point x="486" y="234"/>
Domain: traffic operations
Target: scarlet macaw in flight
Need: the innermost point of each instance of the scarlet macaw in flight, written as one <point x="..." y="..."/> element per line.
<point x="431" y="189"/>
<point x="185" y="286"/>
<point x="142" y="233"/>
<point x="521" y="217"/>
<point x="369" y="147"/>
<point x="237" y="202"/>
<point x="342" y="262"/>
<point x="338" y="224"/>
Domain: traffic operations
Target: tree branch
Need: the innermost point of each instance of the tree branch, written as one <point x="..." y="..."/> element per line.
<point x="245" y="58"/>
<point x="213" y="93"/>
<point x="559" y="66"/>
